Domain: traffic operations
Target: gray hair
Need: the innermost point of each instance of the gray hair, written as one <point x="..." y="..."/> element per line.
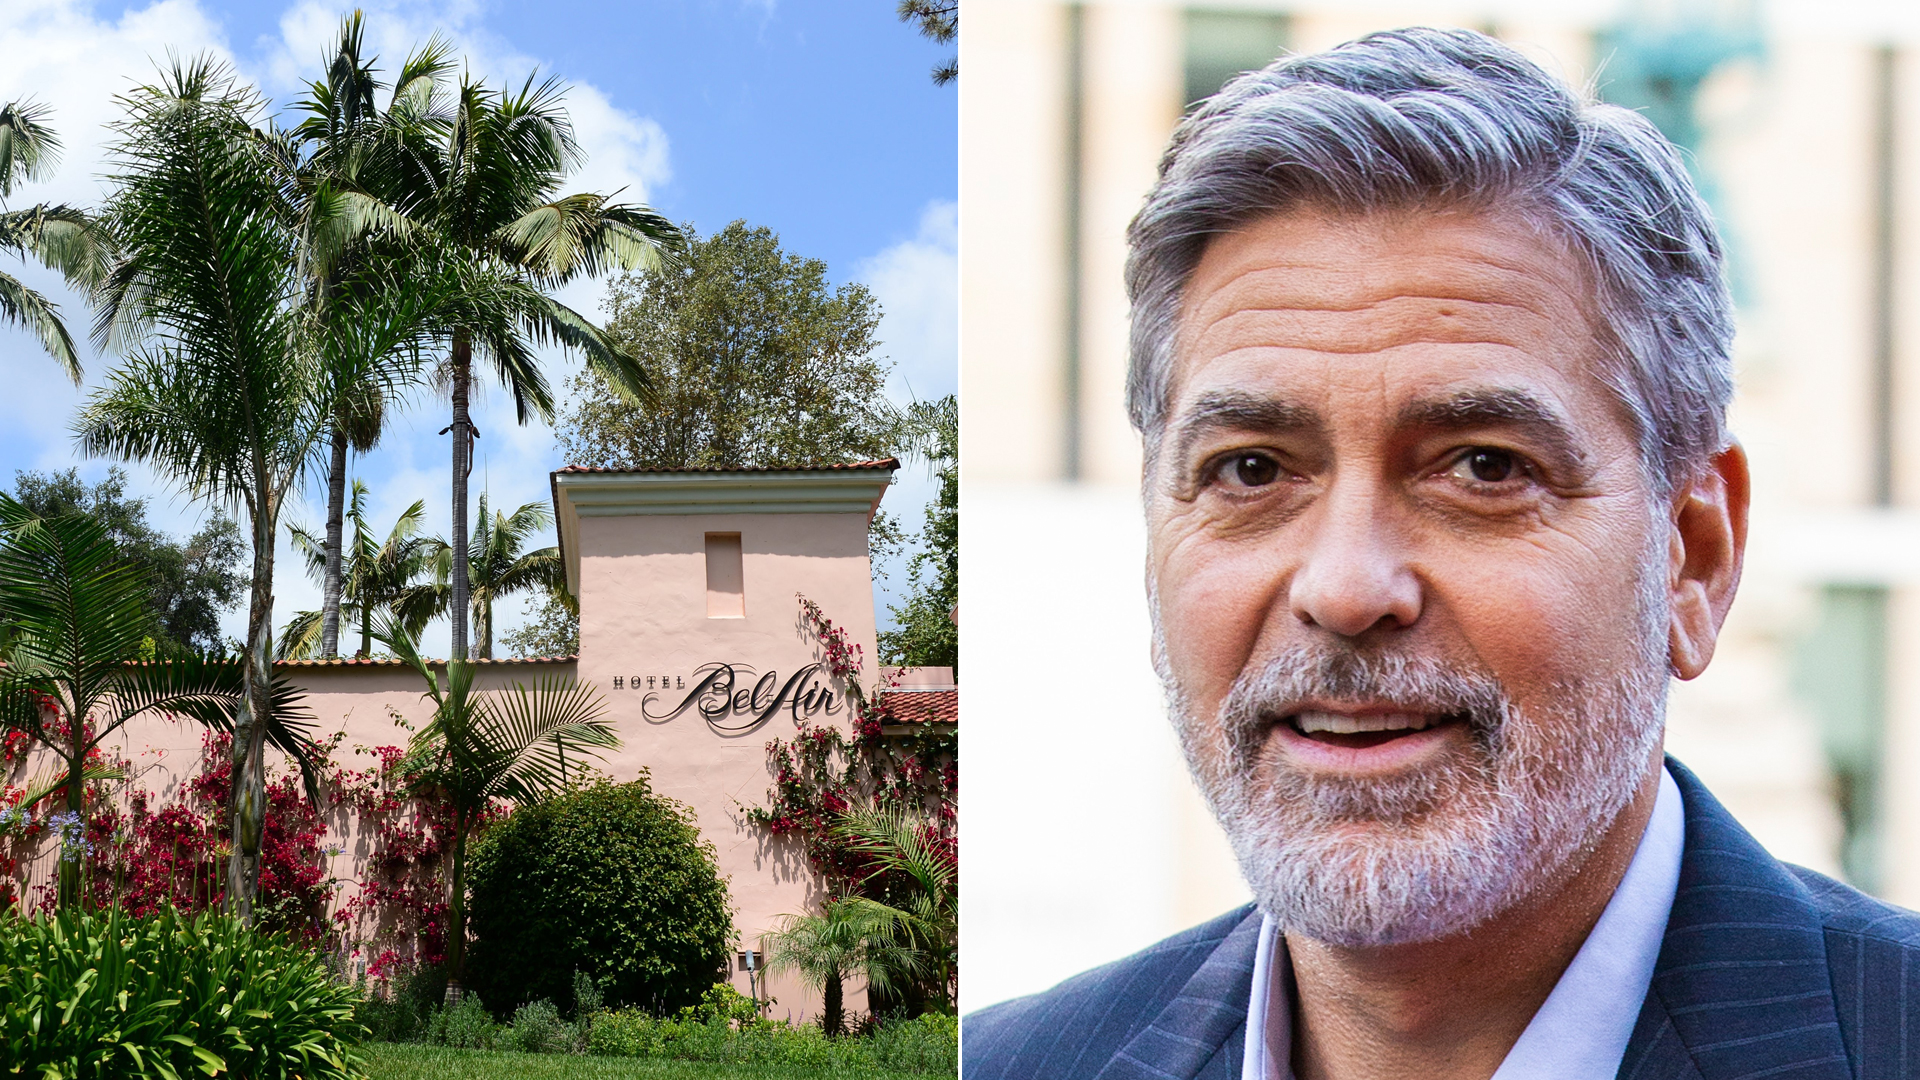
<point x="1421" y="117"/>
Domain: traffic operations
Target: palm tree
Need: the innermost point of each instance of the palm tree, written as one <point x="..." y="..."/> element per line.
<point x="223" y="388"/>
<point x="845" y="939"/>
<point x="355" y="238"/>
<point x="61" y="237"/>
<point x="918" y="873"/>
<point x="481" y="747"/>
<point x="76" y="611"/>
<point x="381" y="578"/>
<point x="499" y="165"/>
<point x="500" y="569"/>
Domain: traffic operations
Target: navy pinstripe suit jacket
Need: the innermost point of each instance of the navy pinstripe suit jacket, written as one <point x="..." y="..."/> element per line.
<point x="1766" y="970"/>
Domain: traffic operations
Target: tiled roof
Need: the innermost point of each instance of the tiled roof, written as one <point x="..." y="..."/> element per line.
<point x="882" y="463"/>
<point x="921" y="706"/>
<point x="354" y="662"/>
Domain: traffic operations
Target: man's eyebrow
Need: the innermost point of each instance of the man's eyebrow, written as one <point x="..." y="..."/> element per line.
<point x="1237" y="410"/>
<point x="1499" y="407"/>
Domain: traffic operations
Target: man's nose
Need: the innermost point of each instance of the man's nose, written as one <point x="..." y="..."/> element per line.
<point x="1353" y="575"/>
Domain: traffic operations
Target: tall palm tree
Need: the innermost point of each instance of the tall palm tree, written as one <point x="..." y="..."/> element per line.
<point x="60" y="237"/>
<point x="500" y="164"/>
<point x="382" y="578"/>
<point x="484" y="746"/>
<point x="500" y="568"/>
<point x="76" y="611"/>
<point x="361" y="167"/>
<point x="223" y="387"/>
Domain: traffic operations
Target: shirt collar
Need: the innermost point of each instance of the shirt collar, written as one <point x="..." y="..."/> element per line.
<point x="1581" y="1030"/>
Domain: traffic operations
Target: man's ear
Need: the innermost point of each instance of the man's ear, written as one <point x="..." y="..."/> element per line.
<point x="1709" y="542"/>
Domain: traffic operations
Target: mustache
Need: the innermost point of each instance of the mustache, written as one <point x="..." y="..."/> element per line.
<point x="1333" y="675"/>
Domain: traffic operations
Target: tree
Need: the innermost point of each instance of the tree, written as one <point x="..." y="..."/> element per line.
<point x="756" y="362"/>
<point x="77" y="617"/>
<point x="222" y="388"/>
<point x="927" y="633"/>
<point x="845" y="939"/>
<point x="382" y="578"/>
<point x="553" y="630"/>
<point x="356" y="241"/>
<point x="191" y="583"/>
<point x="917" y="871"/>
<point x="939" y="22"/>
<point x="60" y="237"/>
<point x="500" y="569"/>
<point x="480" y="747"/>
<point x="490" y="200"/>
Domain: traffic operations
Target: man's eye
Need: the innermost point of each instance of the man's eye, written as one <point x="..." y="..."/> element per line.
<point x="1488" y="465"/>
<point x="1251" y="470"/>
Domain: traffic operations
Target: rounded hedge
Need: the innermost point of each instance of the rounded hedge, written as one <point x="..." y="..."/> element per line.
<point x="607" y="879"/>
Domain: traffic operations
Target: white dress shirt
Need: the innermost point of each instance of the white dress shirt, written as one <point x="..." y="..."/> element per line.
<point x="1581" y="1030"/>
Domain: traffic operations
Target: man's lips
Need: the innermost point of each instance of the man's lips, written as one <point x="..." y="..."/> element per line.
<point x="1364" y="740"/>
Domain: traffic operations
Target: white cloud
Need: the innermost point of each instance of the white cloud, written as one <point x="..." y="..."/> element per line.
<point x="918" y="284"/>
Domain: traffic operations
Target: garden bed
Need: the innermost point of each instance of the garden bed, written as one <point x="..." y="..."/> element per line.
<point x="415" y="1061"/>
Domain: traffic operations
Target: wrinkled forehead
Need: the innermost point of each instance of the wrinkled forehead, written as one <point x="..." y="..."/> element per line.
<point x="1412" y="298"/>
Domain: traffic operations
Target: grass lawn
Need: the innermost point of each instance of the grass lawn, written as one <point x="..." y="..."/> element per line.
<point x="413" y="1061"/>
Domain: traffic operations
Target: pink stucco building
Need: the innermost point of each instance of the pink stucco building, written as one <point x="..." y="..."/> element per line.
<point x="690" y="629"/>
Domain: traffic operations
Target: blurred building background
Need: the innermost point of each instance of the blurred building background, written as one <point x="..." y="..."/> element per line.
<point x="1802" y="122"/>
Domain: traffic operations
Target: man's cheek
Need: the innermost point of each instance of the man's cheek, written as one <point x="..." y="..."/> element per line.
<point x="1213" y="610"/>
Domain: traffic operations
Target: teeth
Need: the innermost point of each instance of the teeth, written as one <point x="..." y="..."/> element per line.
<point x="1342" y="724"/>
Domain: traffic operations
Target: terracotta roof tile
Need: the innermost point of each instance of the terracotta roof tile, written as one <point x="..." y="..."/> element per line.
<point x="881" y="463"/>
<point x="921" y="706"/>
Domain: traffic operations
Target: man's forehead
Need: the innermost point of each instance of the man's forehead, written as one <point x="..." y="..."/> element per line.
<point x="1418" y="302"/>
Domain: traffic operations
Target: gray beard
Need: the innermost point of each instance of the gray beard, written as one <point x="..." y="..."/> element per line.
<point x="1436" y="852"/>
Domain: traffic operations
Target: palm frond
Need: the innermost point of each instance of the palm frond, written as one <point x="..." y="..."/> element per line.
<point x="28" y="148"/>
<point x="26" y="308"/>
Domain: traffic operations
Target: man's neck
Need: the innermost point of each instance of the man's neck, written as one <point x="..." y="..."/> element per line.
<point x="1451" y="1009"/>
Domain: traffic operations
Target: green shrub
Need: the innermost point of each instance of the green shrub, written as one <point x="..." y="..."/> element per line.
<point x="538" y="1029"/>
<point x="467" y="1025"/>
<point x="704" y="1033"/>
<point x="608" y="879"/>
<point x="168" y="995"/>
<point x="401" y="1014"/>
<point x="927" y="1043"/>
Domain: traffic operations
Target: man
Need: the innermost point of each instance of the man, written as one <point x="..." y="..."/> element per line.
<point x="1431" y="363"/>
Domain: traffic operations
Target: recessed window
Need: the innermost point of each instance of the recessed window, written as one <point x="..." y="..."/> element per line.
<point x="726" y="582"/>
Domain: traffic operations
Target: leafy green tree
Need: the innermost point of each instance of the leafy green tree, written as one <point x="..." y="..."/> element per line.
<point x="76" y="614"/>
<point x="756" y="361"/>
<point x="383" y="578"/>
<point x="926" y="632"/>
<point x="484" y="746"/>
<point x="193" y="581"/>
<point x="553" y="629"/>
<point x="60" y="237"/>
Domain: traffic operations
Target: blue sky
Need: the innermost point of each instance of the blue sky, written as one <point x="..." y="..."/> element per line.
<point x="815" y="119"/>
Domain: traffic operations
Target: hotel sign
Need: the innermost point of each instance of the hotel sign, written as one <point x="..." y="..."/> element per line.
<point x="732" y="698"/>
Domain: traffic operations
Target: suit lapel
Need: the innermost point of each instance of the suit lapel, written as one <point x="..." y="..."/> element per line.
<point x="1741" y="987"/>
<point x="1204" y="1026"/>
